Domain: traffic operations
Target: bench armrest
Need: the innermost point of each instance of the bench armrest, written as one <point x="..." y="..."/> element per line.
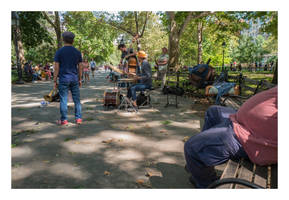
<point x="223" y="181"/>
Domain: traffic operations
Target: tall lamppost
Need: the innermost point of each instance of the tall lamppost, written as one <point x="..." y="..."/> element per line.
<point x="223" y="65"/>
<point x="15" y="32"/>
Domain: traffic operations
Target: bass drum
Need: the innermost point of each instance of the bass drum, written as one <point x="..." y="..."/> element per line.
<point x="111" y="98"/>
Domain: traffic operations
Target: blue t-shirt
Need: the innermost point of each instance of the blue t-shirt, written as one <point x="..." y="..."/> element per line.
<point x="68" y="57"/>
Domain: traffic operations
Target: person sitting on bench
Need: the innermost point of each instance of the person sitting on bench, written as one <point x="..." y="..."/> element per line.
<point x="144" y="76"/>
<point x="201" y="75"/>
<point x="251" y="132"/>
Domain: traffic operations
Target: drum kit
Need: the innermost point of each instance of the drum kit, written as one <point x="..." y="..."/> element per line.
<point x="117" y="96"/>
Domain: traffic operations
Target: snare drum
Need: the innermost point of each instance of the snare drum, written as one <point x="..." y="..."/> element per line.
<point x="111" y="98"/>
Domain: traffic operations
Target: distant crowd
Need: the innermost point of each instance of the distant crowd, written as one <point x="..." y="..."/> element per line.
<point x="38" y="72"/>
<point x="41" y="72"/>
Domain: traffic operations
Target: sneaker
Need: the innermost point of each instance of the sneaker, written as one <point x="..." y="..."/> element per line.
<point x="78" y="121"/>
<point x="64" y="122"/>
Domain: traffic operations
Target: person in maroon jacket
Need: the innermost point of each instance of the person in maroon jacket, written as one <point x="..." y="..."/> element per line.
<point x="251" y="132"/>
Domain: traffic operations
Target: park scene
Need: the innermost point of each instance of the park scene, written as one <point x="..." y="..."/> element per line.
<point x="144" y="99"/>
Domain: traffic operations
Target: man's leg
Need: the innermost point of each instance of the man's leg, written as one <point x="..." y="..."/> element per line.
<point x="215" y="115"/>
<point x="92" y="73"/>
<point x="164" y="78"/>
<point x="132" y="92"/>
<point x="137" y="87"/>
<point x="63" y="93"/>
<point x="209" y="148"/>
<point x="74" y="88"/>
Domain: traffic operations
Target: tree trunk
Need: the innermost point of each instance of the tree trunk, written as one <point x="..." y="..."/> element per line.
<point x="200" y="41"/>
<point x="275" y="77"/>
<point x="21" y="51"/>
<point x="58" y="30"/>
<point x="56" y="26"/>
<point x="175" y="35"/>
<point x="174" y="51"/>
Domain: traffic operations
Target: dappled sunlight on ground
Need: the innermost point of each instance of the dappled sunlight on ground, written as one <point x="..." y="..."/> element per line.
<point x="111" y="149"/>
<point x="66" y="169"/>
<point x="22" y="152"/>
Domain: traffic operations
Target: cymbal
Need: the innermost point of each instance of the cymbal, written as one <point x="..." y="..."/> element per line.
<point x="116" y="69"/>
<point x="126" y="79"/>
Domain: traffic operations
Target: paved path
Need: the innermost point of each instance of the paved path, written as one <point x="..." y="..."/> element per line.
<point x="109" y="150"/>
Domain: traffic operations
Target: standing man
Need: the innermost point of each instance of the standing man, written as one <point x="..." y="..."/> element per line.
<point x="68" y="68"/>
<point x="125" y="54"/>
<point x="162" y="65"/>
<point x="144" y="76"/>
<point x="92" y="67"/>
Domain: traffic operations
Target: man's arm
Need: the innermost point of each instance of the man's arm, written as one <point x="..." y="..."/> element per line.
<point x="147" y="73"/>
<point x="56" y="72"/>
<point x="164" y="62"/>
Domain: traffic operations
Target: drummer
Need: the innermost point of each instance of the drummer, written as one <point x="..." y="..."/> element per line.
<point x="144" y="76"/>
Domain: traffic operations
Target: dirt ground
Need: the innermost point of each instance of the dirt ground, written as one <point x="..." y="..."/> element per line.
<point x="111" y="149"/>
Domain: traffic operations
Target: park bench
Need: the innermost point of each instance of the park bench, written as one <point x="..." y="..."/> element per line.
<point x="248" y="88"/>
<point x="244" y="173"/>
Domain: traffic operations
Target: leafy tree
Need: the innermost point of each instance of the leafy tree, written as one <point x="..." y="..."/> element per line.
<point x="41" y="54"/>
<point x="32" y="32"/>
<point x="93" y="39"/>
<point x="177" y="22"/>
<point x="132" y="23"/>
<point x="250" y="50"/>
<point x="203" y="37"/>
<point x="54" y="21"/>
<point x="154" y="38"/>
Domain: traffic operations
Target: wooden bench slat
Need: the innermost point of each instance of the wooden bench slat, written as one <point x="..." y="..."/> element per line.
<point x="245" y="172"/>
<point x="260" y="176"/>
<point x="231" y="171"/>
<point x="231" y="102"/>
<point x="274" y="176"/>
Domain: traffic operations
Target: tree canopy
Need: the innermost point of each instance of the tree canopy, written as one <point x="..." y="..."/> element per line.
<point x="191" y="37"/>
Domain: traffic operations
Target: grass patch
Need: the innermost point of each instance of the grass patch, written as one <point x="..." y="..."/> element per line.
<point x="13" y="145"/>
<point x="89" y="119"/>
<point x="14" y="76"/>
<point x="68" y="139"/>
<point x="167" y="122"/>
<point x="27" y="132"/>
<point x="16" y="165"/>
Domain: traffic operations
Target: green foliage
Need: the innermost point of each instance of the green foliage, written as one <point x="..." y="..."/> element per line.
<point x="154" y="38"/>
<point x="189" y="45"/>
<point x="33" y="33"/>
<point x="41" y="54"/>
<point x="249" y="50"/>
<point x="114" y="57"/>
<point x="93" y="39"/>
<point x="268" y="19"/>
<point x="217" y="28"/>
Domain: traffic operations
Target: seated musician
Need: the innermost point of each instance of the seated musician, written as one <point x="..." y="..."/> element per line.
<point x="144" y="76"/>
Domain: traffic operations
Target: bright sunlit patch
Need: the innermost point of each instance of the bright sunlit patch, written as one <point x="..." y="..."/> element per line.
<point x="65" y="169"/>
